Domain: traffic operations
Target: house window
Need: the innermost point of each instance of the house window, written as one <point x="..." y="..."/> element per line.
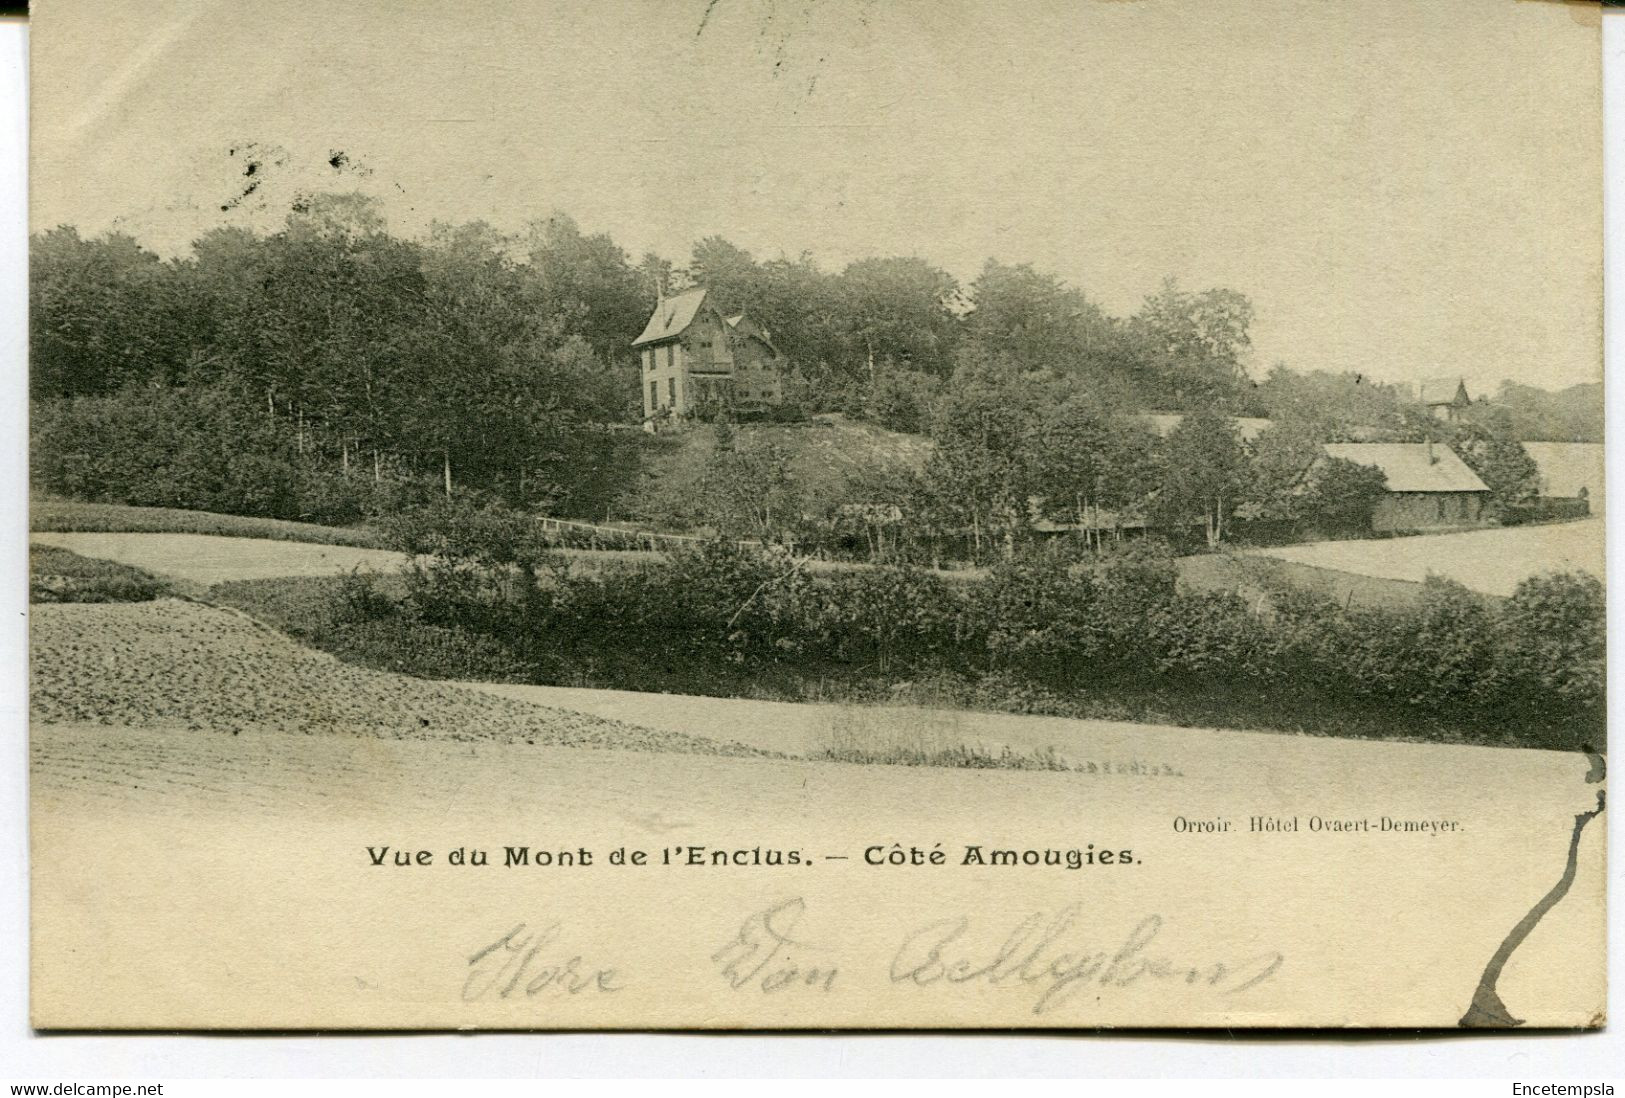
<point x="671" y="390"/>
<point x="654" y="395"/>
<point x="649" y="359"/>
<point x="671" y="353"/>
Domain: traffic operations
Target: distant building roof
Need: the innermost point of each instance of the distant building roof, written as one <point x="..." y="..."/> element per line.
<point x="1163" y="423"/>
<point x="672" y="316"/>
<point x="1411" y="466"/>
<point x="1442" y="390"/>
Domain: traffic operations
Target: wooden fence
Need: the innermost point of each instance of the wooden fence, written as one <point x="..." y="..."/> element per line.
<point x="587" y="535"/>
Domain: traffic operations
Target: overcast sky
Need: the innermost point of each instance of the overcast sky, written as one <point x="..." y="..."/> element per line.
<point x="1403" y="188"/>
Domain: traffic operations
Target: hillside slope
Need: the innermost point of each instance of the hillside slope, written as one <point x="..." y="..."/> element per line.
<point x="822" y="455"/>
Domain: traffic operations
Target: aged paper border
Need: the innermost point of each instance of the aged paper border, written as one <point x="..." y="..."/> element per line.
<point x="1162" y="1055"/>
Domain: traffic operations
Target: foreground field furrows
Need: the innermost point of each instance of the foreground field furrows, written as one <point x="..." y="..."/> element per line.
<point x="200" y="669"/>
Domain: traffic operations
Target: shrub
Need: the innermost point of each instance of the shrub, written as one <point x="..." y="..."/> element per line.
<point x="1208" y="633"/>
<point x="487" y="598"/>
<point x="1035" y="614"/>
<point x="1134" y="583"/>
<point x="888" y="618"/>
<point x="1452" y="646"/>
<point x="470" y="560"/>
<point x="900" y="399"/>
<point x="1553" y="638"/>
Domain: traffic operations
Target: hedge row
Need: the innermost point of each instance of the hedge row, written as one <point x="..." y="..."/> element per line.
<point x="1454" y="658"/>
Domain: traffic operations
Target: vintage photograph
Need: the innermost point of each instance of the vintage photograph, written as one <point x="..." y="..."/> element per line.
<point x="720" y="514"/>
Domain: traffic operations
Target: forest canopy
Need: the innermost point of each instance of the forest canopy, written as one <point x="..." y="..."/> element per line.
<point x="329" y="367"/>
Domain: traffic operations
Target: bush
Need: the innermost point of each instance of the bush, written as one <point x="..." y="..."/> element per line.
<point x="900" y="399"/>
<point x="1035" y="614"/>
<point x="1134" y="583"/>
<point x="1114" y="635"/>
<point x="1553" y="639"/>
<point x="887" y="618"/>
<point x="1209" y="634"/>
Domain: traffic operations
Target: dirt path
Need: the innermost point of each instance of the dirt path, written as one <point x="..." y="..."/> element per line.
<point x="798" y="728"/>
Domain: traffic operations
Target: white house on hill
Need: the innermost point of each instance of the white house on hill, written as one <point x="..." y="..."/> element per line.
<point x="690" y="354"/>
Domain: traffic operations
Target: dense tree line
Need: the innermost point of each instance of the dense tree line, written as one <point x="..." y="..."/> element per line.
<point x="306" y="372"/>
<point x="330" y="368"/>
<point x="1018" y="455"/>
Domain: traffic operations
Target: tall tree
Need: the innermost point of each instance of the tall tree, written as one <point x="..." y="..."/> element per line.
<point x="899" y="311"/>
<point x="589" y="285"/>
<point x="102" y="315"/>
<point x="1198" y="343"/>
<point x="1067" y="450"/>
<point x="1042" y="324"/>
<point x="729" y="273"/>
<point x="979" y="473"/>
<point x="1341" y="407"/>
<point x="1204" y="471"/>
<point x="1499" y="459"/>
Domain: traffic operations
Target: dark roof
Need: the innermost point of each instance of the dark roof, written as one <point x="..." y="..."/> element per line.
<point x="1411" y="466"/>
<point x="672" y="316"/>
<point x="1442" y="390"/>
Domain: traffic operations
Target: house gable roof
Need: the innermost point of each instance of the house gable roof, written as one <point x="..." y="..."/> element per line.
<point x="747" y="328"/>
<point x="672" y="316"/>
<point x="1409" y="467"/>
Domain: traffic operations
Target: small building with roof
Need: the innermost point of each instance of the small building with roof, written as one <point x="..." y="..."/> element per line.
<point x="1444" y="397"/>
<point x="691" y="354"/>
<point x="1429" y="486"/>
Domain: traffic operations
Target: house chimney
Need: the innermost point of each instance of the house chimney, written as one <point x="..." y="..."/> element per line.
<point x="1433" y="459"/>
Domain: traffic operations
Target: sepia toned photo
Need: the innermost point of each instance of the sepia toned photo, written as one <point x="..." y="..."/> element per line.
<point x="713" y="514"/>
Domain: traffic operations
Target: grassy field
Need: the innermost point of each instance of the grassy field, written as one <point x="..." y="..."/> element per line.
<point x="1252" y="576"/>
<point x="206" y="559"/>
<point x="60" y="515"/>
<point x="1492" y="562"/>
<point x="895" y="734"/>
<point x="209" y="559"/>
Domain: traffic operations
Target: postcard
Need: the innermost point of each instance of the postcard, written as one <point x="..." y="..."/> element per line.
<point x="750" y="515"/>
